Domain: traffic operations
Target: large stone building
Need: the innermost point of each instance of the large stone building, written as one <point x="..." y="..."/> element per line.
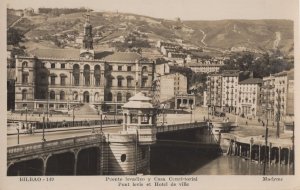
<point x="60" y="78"/>
<point x="222" y="90"/>
<point x="214" y="91"/>
<point x="230" y="79"/>
<point x="283" y="88"/>
<point x="168" y="86"/>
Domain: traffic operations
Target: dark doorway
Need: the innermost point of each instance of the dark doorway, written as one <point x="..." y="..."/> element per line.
<point x="86" y="97"/>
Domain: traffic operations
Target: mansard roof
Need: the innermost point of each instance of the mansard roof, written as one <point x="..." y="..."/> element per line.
<point x="56" y="53"/>
<point x="129" y="57"/>
<point x="123" y="56"/>
<point x="252" y="81"/>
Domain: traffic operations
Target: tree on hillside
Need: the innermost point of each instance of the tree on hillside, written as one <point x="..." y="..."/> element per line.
<point x="13" y="37"/>
<point x="260" y="66"/>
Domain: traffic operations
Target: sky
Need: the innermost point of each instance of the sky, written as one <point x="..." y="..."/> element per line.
<point x="184" y="9"/>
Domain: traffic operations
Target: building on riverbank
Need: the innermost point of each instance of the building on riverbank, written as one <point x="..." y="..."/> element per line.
<point x="60" y="78"/>
<point x="249" y="101"/>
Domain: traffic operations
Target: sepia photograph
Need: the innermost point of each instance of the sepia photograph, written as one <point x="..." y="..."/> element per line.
<point x="186" y="89"/>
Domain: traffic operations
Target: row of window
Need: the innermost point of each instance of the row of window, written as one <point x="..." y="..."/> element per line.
<point x="62" y="65"/>
<point x="52" y="95"/>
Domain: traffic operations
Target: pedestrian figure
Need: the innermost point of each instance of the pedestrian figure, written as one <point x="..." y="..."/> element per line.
<point x="246" y="122"/>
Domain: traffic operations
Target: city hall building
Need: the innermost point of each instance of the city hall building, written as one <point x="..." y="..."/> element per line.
<point x="61" y="78"/>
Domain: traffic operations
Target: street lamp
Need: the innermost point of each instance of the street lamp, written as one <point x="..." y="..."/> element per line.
<point x="18" y="129"/>
<point x="43" y="137"/>
<point x="265" y="153"/>
<point x="26" y="109"/>
<point x="73" y="117"/>
<point x="192" y="107"/>
<point x="163" y="112"/>
<point x="278" y="112"/>
<point x="100" y="113"/>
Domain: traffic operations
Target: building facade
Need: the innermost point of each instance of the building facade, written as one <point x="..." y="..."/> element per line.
<point x="214" y="91"/>
<point x="60" y="78"/>
<point x="249" y="101"/>
<point x="168" y="86"/>
<point x="283" y="81"/>
<point x="230" y="79"/>
<point x="268" y="97"/>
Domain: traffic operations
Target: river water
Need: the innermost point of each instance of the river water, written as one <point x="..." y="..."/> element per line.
<point x="177" y="161"/>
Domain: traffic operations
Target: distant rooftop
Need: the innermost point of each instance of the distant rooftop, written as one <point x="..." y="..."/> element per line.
<point x="56" y="53"/>
<point x="75" y="54"/>
<point x="123" y="56"/>
<point x="252" y="81"/>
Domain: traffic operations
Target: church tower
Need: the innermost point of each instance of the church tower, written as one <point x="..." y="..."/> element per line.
<point x="87" y="51"/>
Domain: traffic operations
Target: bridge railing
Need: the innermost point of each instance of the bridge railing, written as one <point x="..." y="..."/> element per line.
<point x="53" y="144"/>
<point x="182" y="126"/>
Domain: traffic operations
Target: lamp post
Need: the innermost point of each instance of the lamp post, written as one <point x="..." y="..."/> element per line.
<point x="163" y="112"/>
<point x="265" y="153"/>
<point x="192" y="107"/>
<point x="18" y="129"/>
<point x="278" y="113"/>
<point x="73" y="117"/>
<point x="100" y="113"/>
<point x="43" y="136"/>
<point x="26" y="110"/>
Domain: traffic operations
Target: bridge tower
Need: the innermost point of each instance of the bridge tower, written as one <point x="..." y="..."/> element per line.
<point x="139" y="119"/>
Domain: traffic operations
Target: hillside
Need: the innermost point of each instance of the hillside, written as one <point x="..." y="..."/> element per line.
<point x="256" y="35"/>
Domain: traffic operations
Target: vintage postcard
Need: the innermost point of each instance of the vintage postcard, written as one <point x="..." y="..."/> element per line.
<point x="142" y="94"/>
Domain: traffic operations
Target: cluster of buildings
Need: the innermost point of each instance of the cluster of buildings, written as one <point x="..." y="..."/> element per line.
<point x="59" y="79"/>
<point x="190" y="57"/>
<point x="233" y="91"/>
<point x="21" y="12"/>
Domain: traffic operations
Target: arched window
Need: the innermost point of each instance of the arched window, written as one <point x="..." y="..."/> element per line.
<point x="25" y="77"/>
<point x="129" y="81"/>
<point x="96" y="97"/>
<point x="86" y="74"/>
<point x="119" y="97"/>
<point x="144" y="69"/>
<point x="24" y="64"/>
<point x="52" y="95"/>
<point x="52" y="80"/>
<point x="75" y="95"/>
<point x="52" y="65"/>
<point x="76" y="74"/>
<point x="128" y="95"/>
<point x="120" y="79"/>
<point x="24" y="94"/>
<point x="62" y="95"/>
<point x="97" y="75"/>
<point x="109" y="96"/>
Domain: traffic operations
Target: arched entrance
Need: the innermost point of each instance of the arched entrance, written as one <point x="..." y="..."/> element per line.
<point x="86" y="97"/>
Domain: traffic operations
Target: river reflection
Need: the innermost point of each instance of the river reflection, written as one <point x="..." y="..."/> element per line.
<point x="178" y="161"/>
